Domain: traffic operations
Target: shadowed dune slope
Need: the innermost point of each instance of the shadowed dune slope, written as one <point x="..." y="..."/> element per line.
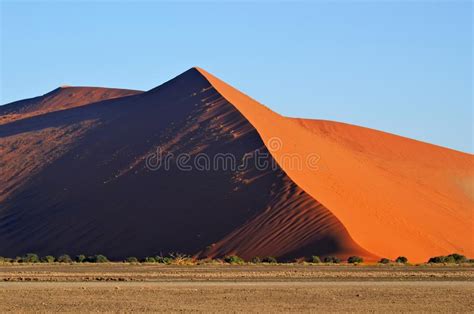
<point x="98" y="196"/>
<point x="59" y="99"/>
<point x="33" y="135"/>
<point x="395" y="196"/>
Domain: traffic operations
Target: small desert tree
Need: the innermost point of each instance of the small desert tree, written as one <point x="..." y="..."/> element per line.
<point x="81" y="258"/>
<point x="437" y="259"/>
<point x="355" y="259"/>
<point x="131" y="259"/>
<point x="48" y="259"/>
<point x="30" y="258"/>
<point x="315" y="259"/>
<point x="233" y="259"/>
<point x="384" y="261"/>
<point x="332" y="259"/>
<point x="99" y="258"/>
<point x="64" y="259"/>
<point x="256" y="260"/>
<point x="270" y="260"/>
<point x="458" y="258"/>
<point x="401" y="260"/>
<point x="149" y="259"/>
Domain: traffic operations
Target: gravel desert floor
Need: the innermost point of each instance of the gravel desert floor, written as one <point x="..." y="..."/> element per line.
<point x="214" y="288"/>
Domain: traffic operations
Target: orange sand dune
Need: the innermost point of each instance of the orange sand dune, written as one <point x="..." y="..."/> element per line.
<point x="24" y="153"/>
<point x="74" y="179"/>
<point x="394" y="195"/>
<point x="61" y="98"/>
<point x="96" y="195"/>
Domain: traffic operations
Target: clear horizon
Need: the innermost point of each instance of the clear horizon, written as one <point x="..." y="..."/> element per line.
<point x="404" y="68"/>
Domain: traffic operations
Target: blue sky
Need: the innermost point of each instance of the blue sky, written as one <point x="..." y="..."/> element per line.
<point x="400" y="66"/>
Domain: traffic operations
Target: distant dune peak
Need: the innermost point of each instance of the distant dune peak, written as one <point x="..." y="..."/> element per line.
<point x="336" y="189"/>
<point x="61" y="98"/>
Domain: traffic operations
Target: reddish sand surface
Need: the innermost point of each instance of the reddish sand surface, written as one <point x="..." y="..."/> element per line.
<point x="24" y="153"/>
<point x="394" y="195"/>
<point x="59" y="99"/>
<point x="74" y="180"/>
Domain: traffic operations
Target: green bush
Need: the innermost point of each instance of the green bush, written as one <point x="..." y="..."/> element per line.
<point x="131" y="259"/>
<point x="256" y="260"/>
<point x="384" y="261"/>
<point x="5" y="259"/>
<point x="163" y="259"/>
<point x="270" y="260"/>
<point x="401" y="260"/>
<point x="315" y="259"/>
<point x="471" y="260"/>
<point x="101" y="258"/>
<point x="450" y="259"/>
<point x="437" y="259"/>
<point x="332" y="259"/>
<point x="81" y="258"/>
<point x="233" y="259"/>
<point x="149" y="259"/>
<point x="64" y="259"/>
<point x="355" y="259"/>
<point x="30" y="258"/>
<point x="48" y="259"/>
<point x="458" y="258"/>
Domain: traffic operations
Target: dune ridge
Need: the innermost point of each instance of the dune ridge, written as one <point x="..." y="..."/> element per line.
<point x="394" y="195"/>
<point x="99" y="196"/>
<point x="61" y="98"/>
<point x="77" y="180"/>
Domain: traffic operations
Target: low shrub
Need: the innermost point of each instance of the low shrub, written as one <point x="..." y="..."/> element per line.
<point x="181" y="259"/>
<point x="355" y="259"/>
<point x="149" y="259"/>
<point x="458" y="258"/>
<point x="64" y="259"/>
<point x="450" y="259"/>
<point x="384" y="261"/>
<point x="48" y="259"/>
<point x="5" y="260"/>
<point x="437" y="259"/>
<point x="315" y="259"/>
<point x="233" y="259"/>
<point x="81" y="258"/>
<point x="30" y="258"/>
<point x="99" y="258"/>
<point x="256" y="260"/>
<point x="332" y="259"/>
<point x="270" y="260"/>
<point x="131" y="259"/>
<point x="401" y="260"/>
<point x="163" y="259"/>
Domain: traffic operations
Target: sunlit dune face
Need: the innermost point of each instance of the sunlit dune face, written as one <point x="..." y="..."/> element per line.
<point x="393" y="195"/>
<point x="79" y="158"/>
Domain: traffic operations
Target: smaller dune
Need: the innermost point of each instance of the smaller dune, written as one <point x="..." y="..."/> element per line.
<point x="61" y="98"/>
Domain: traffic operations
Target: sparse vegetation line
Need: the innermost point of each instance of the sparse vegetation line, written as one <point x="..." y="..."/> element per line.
<point x="183" y="259"/>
